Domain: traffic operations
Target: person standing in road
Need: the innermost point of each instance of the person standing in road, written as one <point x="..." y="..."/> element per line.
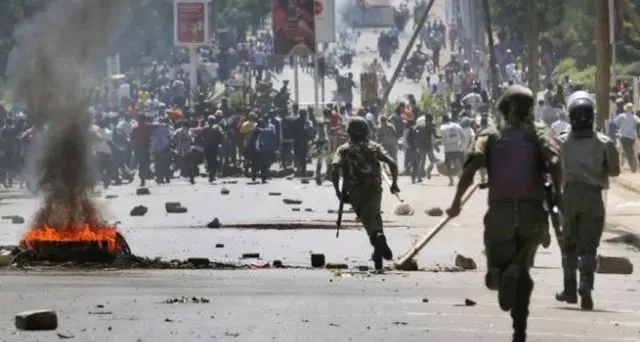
<point x="517" y="158"/>
<point x="588" y="160"/>
<point x="627" y="123"/>
<point x="359" y="162"/>
<point x="452" y="140"/>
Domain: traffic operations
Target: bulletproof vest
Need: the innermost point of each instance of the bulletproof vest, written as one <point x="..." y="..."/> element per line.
<point x="362" y="162"/>
<point x="514" y="165"/>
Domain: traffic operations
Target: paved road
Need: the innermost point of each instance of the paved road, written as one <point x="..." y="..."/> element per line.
<point x="366" y="48"/>
<point x="289" y="305"/>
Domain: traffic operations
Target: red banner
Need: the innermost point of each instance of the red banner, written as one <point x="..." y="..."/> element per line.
<point x="190" y="23"/>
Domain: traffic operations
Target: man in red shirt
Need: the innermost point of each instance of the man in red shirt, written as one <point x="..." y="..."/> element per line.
<point x="140" y="141"/>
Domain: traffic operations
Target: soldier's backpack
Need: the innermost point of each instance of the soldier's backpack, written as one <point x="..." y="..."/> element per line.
<point x="514" y="164"/>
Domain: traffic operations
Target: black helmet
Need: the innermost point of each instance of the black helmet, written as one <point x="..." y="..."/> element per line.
<point x="581" y="107"/>
<point x="516" y="99"/>
<point x="358" y="127"/>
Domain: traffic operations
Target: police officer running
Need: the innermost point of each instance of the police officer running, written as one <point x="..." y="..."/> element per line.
<point x="359" y="160"/>
<point x="517" y="158"/>
<point x="588" y="159"/>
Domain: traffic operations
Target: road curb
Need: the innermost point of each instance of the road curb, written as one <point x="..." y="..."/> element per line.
<point x="627" y="184"/>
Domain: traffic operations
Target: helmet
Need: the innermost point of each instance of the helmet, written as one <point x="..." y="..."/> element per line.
<point x="358" y="127"/>
<point x="581" y="107"/>
<point x="516" y="99"/>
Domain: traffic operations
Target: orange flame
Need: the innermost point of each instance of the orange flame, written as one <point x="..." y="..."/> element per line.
<point x="105" y="235"/>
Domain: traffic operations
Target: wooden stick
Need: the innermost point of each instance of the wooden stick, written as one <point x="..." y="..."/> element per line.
<point x="423" y="242"/>
<point x="386" y="179"/>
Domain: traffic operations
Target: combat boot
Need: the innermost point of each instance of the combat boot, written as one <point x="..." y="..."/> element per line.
<point x="520" y="311"/>
<point x="508" y="289"/>
<point x="569" y="294"/>
<point x="586" y="286"/>
<point x="381" y="250"/>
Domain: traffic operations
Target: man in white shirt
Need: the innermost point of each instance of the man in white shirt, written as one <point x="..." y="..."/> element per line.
<point x="561" y="125"/>
<point x="627" y="123"/>
<point x="102" y="147"/>
<point x="473" y="99"/>
<point x="453" y="137"/>
<point x="124" y="94"/>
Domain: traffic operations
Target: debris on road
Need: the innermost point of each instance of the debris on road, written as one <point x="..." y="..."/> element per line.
<point x="111" y="196"/>
<point x="410" y="265"/>
<point x="66" y="336"/>
<point x="174" y="208"/>
<point x="399" y="323"/>
<point x="435" y="211"/>
<point x="139" y="210"/>
<point x="37" y="320"/>
<point x="614" y="265"/>
<point x="224" y="191"/>
<point x="403" y="209"/>
<point x="425" y="300"/>
<point x="277" y="264"/>
<point x="100" y="313"/>
<point x="186" y="300"/>
<point x="143" y="191"/>
<point x="291" y="201"/>
<point x="304" y="181"/>
<point x="336" y="266"/>
<point x="363" y="268"/>
<point x="275" y="194"/>
<point x="295" y="209"/>
<point x="219" y="245"/>
<point x="215" y="223"/>
<point x="469" y="302"/>
<point x="250" y="256"/>
<point x="465" y="263"/>
<point x="308" y="210"/>
<point x="317" y="260"/>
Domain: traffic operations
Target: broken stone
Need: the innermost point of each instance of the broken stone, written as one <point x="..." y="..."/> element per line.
<point x="331" y="211"/>
<point x="139" y="210"/>
<point x="614" y="265"/>
<point x="465" y="263"/>
<point x="410" y="265"/>
<point x="291" y="201"/>
<point x="111" y="196"/>
<point x="66" y="336"/>
<point x="37" y="320"/>
<point x="199" y="261"/>
<point x="275" y="194"/>
<point x="295" y="209"/>
<point x="289" y="178"/>
<point x="17" y="219"/>
<point x="253" y="183"/>
<point x="224" y="191"/>
<point x="309" y="210"/>
<point x="277" y="264"/>
<point x="317" y="260"/>
<point x="250" y="256"/>
<point x="363" y="268"/>
<point x="219" y="245"/>
<point x="215" y="223"/>
<point x="435" y="211"/>
<point x="174" y="208"/>
<point x="230" y="182"/>
<point x="336" y="266"/>
<point x="425" y="300"/>
<point x="304" y="181"/>
<point x="469" y="302"/>
<point x="143" y="191"/>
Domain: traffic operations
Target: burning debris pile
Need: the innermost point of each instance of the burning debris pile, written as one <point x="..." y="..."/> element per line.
<point x="47" y="67"/>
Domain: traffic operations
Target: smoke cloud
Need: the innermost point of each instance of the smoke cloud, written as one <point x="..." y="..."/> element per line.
<point x="48" y="68"/>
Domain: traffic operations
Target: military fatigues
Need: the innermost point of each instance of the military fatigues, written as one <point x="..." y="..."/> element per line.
<point x="588" y="160"/>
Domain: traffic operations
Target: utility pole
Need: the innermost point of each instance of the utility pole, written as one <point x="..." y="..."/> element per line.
<point x="603" y="63"/>
<point x="533" y="42"/>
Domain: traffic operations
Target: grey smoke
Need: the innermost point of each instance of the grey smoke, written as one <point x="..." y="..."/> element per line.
<point x="48" y="68"/>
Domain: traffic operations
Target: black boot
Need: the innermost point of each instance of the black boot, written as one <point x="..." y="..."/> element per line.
<point x="508" y="289"/>
<point x="380" y="250"/>
<point x="569" y="294"/>
<point x="586" y="286"/>
<point x="520" y="312"/>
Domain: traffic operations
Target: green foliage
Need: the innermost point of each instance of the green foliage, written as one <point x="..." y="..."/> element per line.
<point x="587" y="75"/>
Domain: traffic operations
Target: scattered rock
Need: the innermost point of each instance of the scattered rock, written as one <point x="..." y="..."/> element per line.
<point x="199" y="261"/>
<point x="363" y="268"/>
<point x="614" y="265"/>
<point x="331" y="211"/>
<point x="215" y="223"/>
<point x="410" y="265"/>
<point x="17" y="219"/>
<point x="309" y="210"/>
<point x="139" y="210"/>
<point x="290" y="178"/>
<point x="168" y="320"/>
<point x="399" y="323"/>
<point x="336" y="266"/>
<point x="224" y="191"/>
<point x="304" y="181"/>
<point x="143" y="191"/>
<point x="295" y="209"/>
<point x="253" y="183"/>
<point x="425" y="300"/>
<point x="250" y="256"/>
<point x="111" y="196"/>
<point x="37" y="320"/>
<point x="66" y="336"/>
<point x="230" y="182"/>
<point x="434" y="212"/>
<point x="465" y="263"/>
<point x="291" y="201"/>
<point x="275" y="194"/>
<point x="219" y="245"/>
<point x="174" y="208"/>
<point x="186" y="300"/>
<point x="469" y="302"/>
<point x="100" y="313"/>
<point x="317" y="260"/>
<point x="277" y="264"/>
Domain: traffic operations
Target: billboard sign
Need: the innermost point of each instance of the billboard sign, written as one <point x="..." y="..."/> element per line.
<point x="191" y="22"/>
<point x="325" y="21"/>
<point x="293" y="23"/>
